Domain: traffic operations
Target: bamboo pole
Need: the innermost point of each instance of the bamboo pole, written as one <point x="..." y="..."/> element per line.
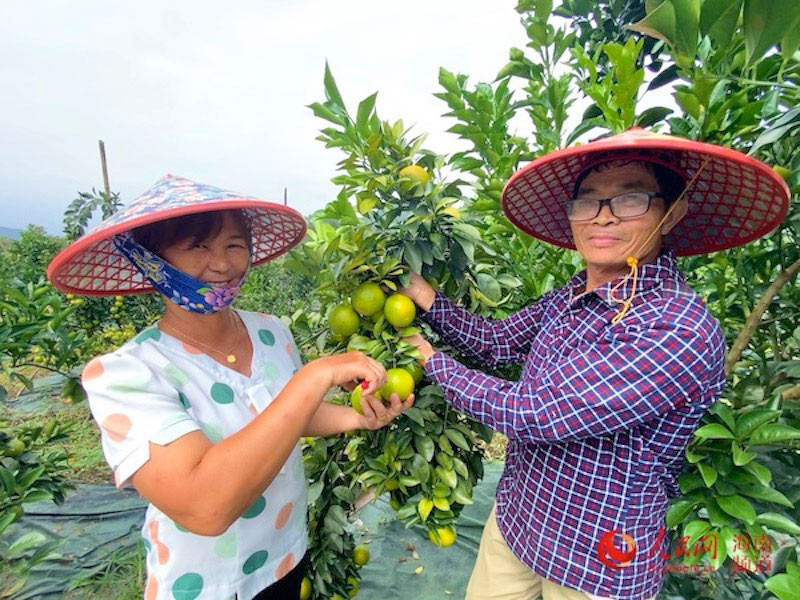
<point x="104" y="165"/>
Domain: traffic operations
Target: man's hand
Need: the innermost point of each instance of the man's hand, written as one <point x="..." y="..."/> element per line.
<point x="420" y="292"/>
<point x="423" y="346"/>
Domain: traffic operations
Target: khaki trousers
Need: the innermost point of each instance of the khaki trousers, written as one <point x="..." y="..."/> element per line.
<point x="500" y="575"/>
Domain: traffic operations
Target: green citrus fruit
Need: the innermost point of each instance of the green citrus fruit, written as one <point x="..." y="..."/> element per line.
<point x="343" y="321"/>
<point x="17" y="511"/>
<point x="15" y="447"/>
<point x="416" y="370"/>
<point x="305" y="589"/>
<point x="391" y="485"/>
<point x="416" y="174"/>
<point x="784" y="172"/>
<point x="398" y="381"/>
<point x="352" y="586"/>
<point x="443" y="536"/>
<point x="361" y="555"/>
<point x="337" y="597"/>
<point x="395" y="504"/>
<point x="368" y="299"/>
<point x="400" y="310"/>
<point x="355" y="400"/>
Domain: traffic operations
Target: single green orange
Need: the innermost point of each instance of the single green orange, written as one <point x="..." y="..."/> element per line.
<point x="15" y="447"/>
<point x="443" y="536"/>
<point x="368" y="299"/>
<point x="784" y="172"/>
<point x="398" y="381"/>
<point x="416" y="174"/>
<point x="343" y="321"/>
<point x="305" y="589"/>
<point x="416" y="371"/>
<point x="361" y="555"/>
<point x="352" y="586"/>
<point x="355" y="400"/>
<point x="400" y="310"/>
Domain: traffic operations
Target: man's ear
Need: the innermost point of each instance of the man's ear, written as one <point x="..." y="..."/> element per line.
<point x="679" y="211"/>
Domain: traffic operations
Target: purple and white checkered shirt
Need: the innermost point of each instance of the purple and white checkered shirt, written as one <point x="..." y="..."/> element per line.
<point x="597" y="423"/>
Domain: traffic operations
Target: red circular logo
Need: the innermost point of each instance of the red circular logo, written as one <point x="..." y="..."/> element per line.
<point x="610" y="555"/>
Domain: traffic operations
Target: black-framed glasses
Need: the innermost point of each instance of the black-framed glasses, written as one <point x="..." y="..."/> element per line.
<point x="623" y="206"/>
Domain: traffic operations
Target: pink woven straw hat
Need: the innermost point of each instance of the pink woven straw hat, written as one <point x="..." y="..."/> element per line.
<point x="93" y="266"/>
<point x="734" y="200"/>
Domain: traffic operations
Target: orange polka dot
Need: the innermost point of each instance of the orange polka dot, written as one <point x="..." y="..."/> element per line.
<point x="283" y="515"/>
<point x="253" y="409"/>
<point x="163" y="553"/>
<point x="289" y="349"/>
<point x="92" y="370"/>
<point x="287" y="564"/>
<point x="154" y="531"/>
<point x="117" y="426"/>
<point x="191" y="349"/>
<point x="151" y="591"/>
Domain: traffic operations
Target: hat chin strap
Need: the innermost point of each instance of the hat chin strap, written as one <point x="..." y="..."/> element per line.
<point x="633" y="260"/>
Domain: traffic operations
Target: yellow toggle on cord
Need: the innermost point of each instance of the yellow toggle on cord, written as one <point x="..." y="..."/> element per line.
<point x="633" y="261"/>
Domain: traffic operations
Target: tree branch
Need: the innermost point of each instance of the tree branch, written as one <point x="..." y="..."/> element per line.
<point x="754" y="319"/>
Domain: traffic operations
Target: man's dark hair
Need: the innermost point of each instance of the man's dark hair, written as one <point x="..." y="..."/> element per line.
<point x="199" y="227"/>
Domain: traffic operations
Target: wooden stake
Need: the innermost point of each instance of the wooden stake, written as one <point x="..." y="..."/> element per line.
<point x="105" y="168"/>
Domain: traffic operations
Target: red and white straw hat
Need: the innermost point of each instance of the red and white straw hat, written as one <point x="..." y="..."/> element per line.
<point x="732" y="201"/>
<point x="93" y="266"/>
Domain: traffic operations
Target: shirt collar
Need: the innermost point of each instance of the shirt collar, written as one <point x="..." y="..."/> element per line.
<point x="650" y="275"/>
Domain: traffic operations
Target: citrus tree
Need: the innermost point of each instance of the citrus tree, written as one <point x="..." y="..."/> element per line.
<point x="732" y="70"/>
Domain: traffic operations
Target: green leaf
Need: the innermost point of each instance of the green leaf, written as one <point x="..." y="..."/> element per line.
<point x="737" y="506"/>
<point x="777" y="521"/>
<point x="774" y="433"/>
<point x="25" y="543"/>
<point x="420" y="469"/>
<point x="714" y="431"/>
<point x="489" y="286"/>
<point x="747" y="423"/>
<point x="687" y="20"/>
<point x="694" y="530"/>
<point x="741" y="457"/>
<point x="716" y="515"/>
<point x="412" y="257"/>
<point x="364" y="112"/>
<point x="765" y="24"/>
<point x="790" y="42"/>
<point x="784" y="586"/>
<point x="762" y="473"/>
<point x="763" y="492"/>
<point x="719" y="19"/>
<point x="457" y="438"/>
<point x="424" y="508"/>
<point x="659" y="23"/>
<point x="678" y="511"/>
<point x="709" y="474"/>
<point x="331" y="91"/>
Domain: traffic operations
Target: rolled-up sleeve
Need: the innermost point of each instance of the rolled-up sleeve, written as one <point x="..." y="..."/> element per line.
<point x="492" y="341"/>
<point x="612" y="384"/>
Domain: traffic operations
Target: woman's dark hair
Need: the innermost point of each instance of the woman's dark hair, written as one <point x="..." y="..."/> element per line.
<point x="669" y="182"/>
<point x="197" y="227"/>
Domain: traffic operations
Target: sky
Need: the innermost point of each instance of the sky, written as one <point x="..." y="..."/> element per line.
<point x="218" y="92"/>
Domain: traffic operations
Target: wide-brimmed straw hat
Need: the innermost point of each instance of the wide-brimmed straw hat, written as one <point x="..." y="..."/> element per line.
<point x="93" y="266"/>
<point x="733" y="200"/>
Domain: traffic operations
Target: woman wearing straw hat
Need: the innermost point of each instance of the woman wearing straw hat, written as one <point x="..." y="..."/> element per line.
<point x="203" y="412"/>
<point x="619" y="365"/>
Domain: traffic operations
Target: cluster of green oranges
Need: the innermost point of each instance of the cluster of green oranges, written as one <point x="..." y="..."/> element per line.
<point x="370" y="301"/>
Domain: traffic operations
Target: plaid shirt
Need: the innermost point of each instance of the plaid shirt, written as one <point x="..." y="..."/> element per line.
<point x="597" y="423"/>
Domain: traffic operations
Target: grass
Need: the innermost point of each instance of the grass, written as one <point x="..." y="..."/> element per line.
<point x="121" y="578"/>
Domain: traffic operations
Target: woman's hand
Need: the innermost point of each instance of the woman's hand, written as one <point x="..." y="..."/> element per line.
<point x="423" y="345"/>
<point x="344" y="369"/>
<point x="420" y="292"/>
<point x="377" y="414"/>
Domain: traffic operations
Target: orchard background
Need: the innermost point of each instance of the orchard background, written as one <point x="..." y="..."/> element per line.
<point x="732" y="68"/>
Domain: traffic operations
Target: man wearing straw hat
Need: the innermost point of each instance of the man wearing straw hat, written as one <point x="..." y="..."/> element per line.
<point x="619" y="365"/>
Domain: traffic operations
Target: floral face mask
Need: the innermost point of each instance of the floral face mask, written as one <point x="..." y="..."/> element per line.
<point x="190" y="293"/>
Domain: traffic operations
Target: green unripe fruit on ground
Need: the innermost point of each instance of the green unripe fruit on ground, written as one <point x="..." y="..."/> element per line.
<point x="343" y="321"/>
<point x="400" y="310"/>
<point x="368" y="299"/>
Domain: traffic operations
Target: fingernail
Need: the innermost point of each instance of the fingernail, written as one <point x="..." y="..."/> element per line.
<point x="364" y="385"/>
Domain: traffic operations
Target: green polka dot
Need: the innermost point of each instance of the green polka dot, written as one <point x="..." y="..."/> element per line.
<point x="267" y="337"/>
<point x="256" y="509"/>
<point x="180" y="528"/>
<point x="255" y="562"/>
<point x="225" y="546"/>
<point x="184" y="401"/>
<point x="176" y="377"/>
<point x="213" y="432"/>
<point x="187" y="587"/>
<point x="151" y="333"/>
<point x="147" y="544"/>
<point x="221" y="393"/>
<point x="137" y="381"/>
<point x="271" y="371"/>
